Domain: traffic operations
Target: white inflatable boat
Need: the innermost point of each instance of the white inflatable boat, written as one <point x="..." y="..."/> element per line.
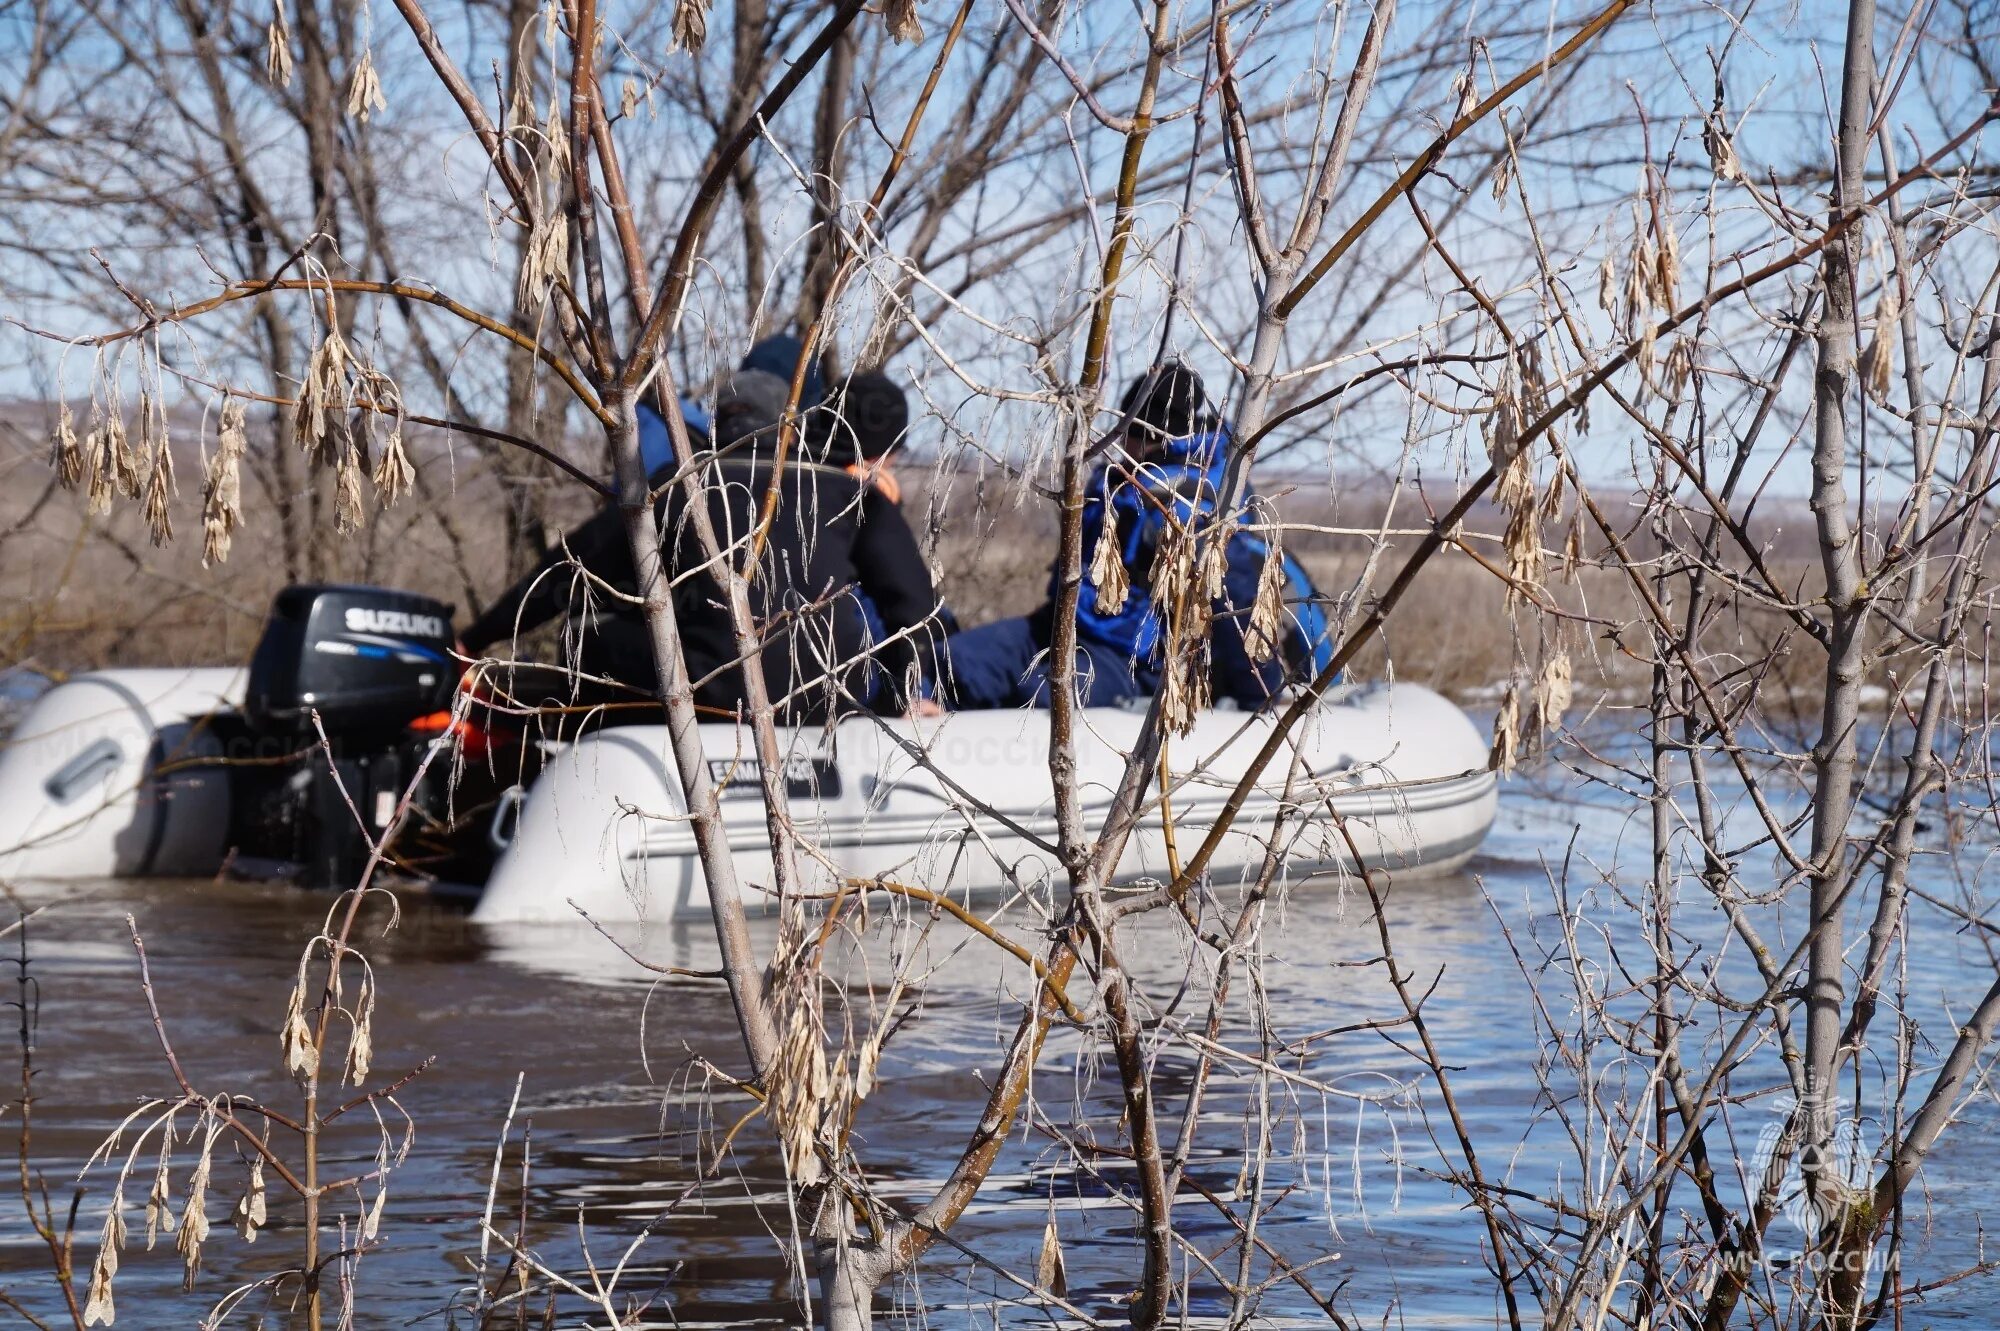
<point x="134" y="772"/>
<point x="964" y="804"/>
<point x="111" y="775"/>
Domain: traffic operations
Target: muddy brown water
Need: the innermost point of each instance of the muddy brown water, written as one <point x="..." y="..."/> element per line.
<point x="610" y="1106"/>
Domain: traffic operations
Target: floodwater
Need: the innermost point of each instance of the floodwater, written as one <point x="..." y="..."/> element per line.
<point x="597" y="1059"/>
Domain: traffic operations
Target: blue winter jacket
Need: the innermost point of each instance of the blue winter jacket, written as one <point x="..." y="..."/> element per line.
<point x="1186" y="481"/>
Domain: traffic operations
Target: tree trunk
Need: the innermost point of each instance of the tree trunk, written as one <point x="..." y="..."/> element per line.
<point x="725" y="895"/>
<point x="1834" y="753"/>
<point x="525" y="533"/>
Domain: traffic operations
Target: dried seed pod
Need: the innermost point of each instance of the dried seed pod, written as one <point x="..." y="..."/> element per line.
<point x="1108" y="575"/>
<point x="99" y="1308"/>
<point x="361" y="1045"/>
<point x="1267" y="612"/>
<point x="544" y="258"/>
<point x="1503" y="175"/>
<point x="1722" y="157"/>
<point x="1050" y="1274"/>
<point x="278" y="47"/>
<point x="1515" y="493"/>
<point x="1523" y="537"/>
<point x="1552" y="497"/>
<point x="1641" y="266"/>
<point x="1878" y="358"/>
<point x="1180" y="580"/>
<point x="296" y="1038"/>
<point x="1466" y="89"/>
<point x="555" y="133"/>
<point x="159" y="1199"/>
<point x="690" y="25"/>
<point x="1534" y="382"/>
<point x="194" y="1219"/>
<point x="159" y="489"/>
<point x="901" y="16"/>
<point x="250" y="1207"/>
<point x="347" y="508"/>
<point x="865" y="1064"/>
<point x="628" y="99"/>
<point x="1503" y="426"/>
<point x="1607" y="285"/>
<point x="1507" y="731"/>
<point x="98" y="450"/>
<point x="840" y="1084"/>
<point x="66" y="450"/>
<point x="1666" y="265"/>
<point x="1573" y="551"/>
<point x="1642" y="353"/>
<point x="394" y="473"/>
<point x="1679" y="369"/>
<point x="799" y="1088"/>
<point x="117" y="461"/>
<point x="222" y="489"/>
<point x="1212" y="546"/>
<point x="1550" y="697"/>
<point x="364" y="89"/>
<point x="1185" y="686"/>
<point x="320" y="395"/>
<point x="1187" y="578"/>
<point x="371" y="1224"/>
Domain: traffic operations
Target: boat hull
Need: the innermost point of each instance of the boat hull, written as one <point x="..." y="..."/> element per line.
<point x="128" y="772"/>
<point x="112" y="774"/>
<point x="1395" y="776"/>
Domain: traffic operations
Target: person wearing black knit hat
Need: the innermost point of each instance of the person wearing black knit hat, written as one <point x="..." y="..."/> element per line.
<point x="843" y="586"/>
<point x="865" y="418"/>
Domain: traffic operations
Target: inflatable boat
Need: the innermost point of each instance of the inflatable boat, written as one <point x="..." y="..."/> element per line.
<point x="339" y="732"/>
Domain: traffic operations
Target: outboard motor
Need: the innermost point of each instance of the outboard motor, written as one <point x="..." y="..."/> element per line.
<point x="364" y="663"/>
<point x="368" y="661"/>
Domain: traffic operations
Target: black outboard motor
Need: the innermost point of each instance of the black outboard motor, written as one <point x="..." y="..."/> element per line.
<point x="366" y="662"/>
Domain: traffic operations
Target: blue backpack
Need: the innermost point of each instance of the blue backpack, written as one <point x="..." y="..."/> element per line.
<point x="1186" y="481"/>
<point x="1309" y="645"/>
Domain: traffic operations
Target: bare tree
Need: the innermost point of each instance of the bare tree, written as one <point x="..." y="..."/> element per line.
<point x="1051" y="193"/>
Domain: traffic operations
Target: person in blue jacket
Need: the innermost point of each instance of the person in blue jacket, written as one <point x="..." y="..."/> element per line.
<point x="1175" y="454"/>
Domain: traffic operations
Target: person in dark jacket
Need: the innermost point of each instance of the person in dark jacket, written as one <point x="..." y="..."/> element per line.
<point x="864" y="420"/>
<point x="1171" y="472"/>
<point x="826" y="542"/>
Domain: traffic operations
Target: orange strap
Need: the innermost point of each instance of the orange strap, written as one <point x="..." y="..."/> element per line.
<point x="877" y="474"/>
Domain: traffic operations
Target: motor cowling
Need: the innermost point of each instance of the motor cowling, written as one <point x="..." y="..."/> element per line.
<point x="367" y="660"/>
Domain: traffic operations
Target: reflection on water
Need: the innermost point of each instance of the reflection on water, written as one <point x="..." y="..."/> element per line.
<point x="612" y="1106"/>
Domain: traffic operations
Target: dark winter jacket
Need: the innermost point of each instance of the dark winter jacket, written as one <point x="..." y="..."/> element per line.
<point x="831" y="537"/>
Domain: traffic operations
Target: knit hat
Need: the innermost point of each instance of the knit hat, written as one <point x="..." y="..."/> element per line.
<point x="779" y="354"/>
<point x="1166" y="401"/>
<point x="749" y="402"/>
<point x="864" y="417"/>
<point x="876" y="410"/>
